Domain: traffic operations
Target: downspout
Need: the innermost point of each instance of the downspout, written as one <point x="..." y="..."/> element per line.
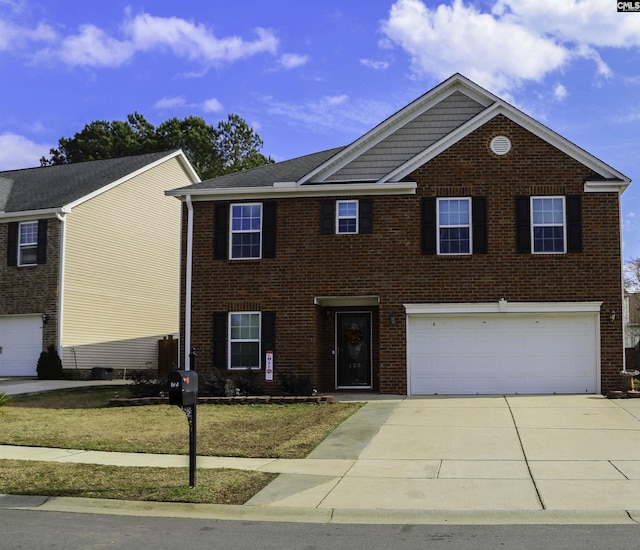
<point x="187" y="290"/>
<point x="624" y="352"/>
<point x="63" y="253"/>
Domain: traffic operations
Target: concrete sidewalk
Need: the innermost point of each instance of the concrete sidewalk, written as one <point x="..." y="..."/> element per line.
<point x="514" y="459"/>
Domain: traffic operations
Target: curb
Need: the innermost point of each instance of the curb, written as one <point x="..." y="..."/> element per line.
<point x="316" y="515"/>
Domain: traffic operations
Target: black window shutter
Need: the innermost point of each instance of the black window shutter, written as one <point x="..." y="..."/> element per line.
<point x="269" y="222"/>
<point x="42" y="242"/>
<point x="523" y="225"/>
<point x="479" y="220"/>
<point x="428" y="225"/>
<point x="327" y="217"/>
<point x="268" y="334"/>
<point x="574" y="223"/>
<point x="365" y="215"/>
<point x="221" y="232"/>
<point x="220" y="340"/>
<point x="12" y="243"/>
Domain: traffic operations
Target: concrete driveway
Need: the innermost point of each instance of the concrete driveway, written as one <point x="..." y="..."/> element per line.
<point x="516" y="453"/>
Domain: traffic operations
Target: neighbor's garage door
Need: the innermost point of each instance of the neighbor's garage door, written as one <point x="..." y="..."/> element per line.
<point x="20" y="344"/>
<point x="502" y="353"/>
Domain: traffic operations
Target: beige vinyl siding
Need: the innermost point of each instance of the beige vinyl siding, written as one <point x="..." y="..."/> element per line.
<point x="410" y="140"/>
<point x="121" y="281"/>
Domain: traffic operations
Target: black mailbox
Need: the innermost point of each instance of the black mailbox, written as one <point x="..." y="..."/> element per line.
<point x="183" y="387"/>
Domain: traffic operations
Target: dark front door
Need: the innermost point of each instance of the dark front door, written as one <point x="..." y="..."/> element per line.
<point x="353" y="363"/>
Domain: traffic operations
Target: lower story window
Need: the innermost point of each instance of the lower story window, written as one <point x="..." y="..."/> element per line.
<point x="244" y="340"/>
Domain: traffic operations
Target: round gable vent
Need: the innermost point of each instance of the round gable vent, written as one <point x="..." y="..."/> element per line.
<point x="500" y="145"/>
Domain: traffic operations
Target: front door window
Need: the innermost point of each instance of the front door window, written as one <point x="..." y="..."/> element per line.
<point x="353" y="369"/>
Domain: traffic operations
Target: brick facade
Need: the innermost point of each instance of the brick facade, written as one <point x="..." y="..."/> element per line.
<point x="388" y="262"/>
<point x="33" y="289"/>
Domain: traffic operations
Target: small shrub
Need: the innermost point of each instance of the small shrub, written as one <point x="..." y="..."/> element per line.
<point x="248" y="382"/>
<point x="4" y="399"/>
<point x="144" y="385"/>
<point x="212" y="384"/>
<point x="292" y="384"/>
<point x="50" y="365"/>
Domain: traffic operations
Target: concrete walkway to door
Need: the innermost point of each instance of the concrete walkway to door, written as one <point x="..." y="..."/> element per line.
<point x="504" y="453"/>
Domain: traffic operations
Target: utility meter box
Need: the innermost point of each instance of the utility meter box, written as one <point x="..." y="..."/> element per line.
<point x="183" y="387"/>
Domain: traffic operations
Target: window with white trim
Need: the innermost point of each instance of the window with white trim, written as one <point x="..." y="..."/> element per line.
<point x="244" y="340"/>
<point x="28" y="243"/>
<point x="548" y="227"/>
<point x="454" y="226"/>
<point x="246" y="231"/>
<point x="347" y="216"/>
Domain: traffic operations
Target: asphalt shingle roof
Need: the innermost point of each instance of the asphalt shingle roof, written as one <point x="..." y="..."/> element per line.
<point x="56" y="186"/>
<point x="267" y="175"/>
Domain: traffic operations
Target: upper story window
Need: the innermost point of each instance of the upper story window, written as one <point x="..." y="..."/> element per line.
<point x="246" y="231"/>
<point x="244" y="340"/>
<point x="548" y="228"/>
<point x="347" y="217"/>
<point x="28" y="243"/>
<point x="454" y="226"/>
<point x="549" y="224"/>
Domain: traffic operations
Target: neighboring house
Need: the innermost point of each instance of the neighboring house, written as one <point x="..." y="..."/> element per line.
<point x="90" y="261"/>
<point x="631" y="314"/>
<point x="459" y="247"/>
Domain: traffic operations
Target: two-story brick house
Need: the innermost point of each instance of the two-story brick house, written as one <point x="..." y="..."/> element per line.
<point x="459" y="247"/>
<point x="90" y="262"/>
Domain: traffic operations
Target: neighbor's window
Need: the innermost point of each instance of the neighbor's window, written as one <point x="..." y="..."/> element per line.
<point x="28" y="244"/>
<point x="548" y="224"/>
<point x="244" y="340"/>
<point x="347" y="217"/>
<point x="246" y="229"/>
<point x="454" y="226"/>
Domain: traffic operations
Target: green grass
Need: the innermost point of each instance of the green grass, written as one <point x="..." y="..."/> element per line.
<point x="144" y="484"/>
<point x="82" y="419"/>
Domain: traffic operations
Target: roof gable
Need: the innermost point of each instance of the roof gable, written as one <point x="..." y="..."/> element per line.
<point x="66" y="185"/>
<point x="432" y="123"/>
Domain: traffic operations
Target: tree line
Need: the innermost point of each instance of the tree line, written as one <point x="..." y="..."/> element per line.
<point x="231" y="146"/>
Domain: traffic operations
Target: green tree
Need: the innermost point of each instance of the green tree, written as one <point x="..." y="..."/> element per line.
<point x="231" y="146"/>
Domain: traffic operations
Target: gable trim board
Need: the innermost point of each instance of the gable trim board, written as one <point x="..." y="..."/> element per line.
<point x="503" y="348"/>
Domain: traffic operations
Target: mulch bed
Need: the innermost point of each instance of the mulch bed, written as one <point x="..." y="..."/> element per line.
<point x="241" y="400"/>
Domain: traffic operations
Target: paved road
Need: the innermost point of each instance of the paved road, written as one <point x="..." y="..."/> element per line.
<point x="61" y="531"/>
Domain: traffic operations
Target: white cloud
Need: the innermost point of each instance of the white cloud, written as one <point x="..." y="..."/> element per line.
<point x="513" y="42"/>
<point x="560" y="92"/>
<point x="378" y="65"/>
<point x="292" y="60"/>
<point x="169" y="102"/>
<point x="212" y="106"/>
<point x="91" y="46"/>
<point x="20" y="152"/>
<point x="14" y="37"/>
<point x="331" y="112"/>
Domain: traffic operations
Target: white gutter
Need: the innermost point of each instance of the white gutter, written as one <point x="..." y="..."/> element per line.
<point x="187" y="290"/>
<point x="63" y="246"/>
<point x="31" y="214"/>
<point x="283" y="191"/>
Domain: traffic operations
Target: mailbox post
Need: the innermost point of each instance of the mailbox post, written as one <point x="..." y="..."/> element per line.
<point x="183" y="392"/>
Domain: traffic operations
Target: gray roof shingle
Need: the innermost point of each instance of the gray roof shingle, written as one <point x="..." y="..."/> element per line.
<point x="56" y="186"/>
<point x="267" y="175"/>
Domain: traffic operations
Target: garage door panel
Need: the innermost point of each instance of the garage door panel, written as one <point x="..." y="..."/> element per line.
<point x="502" y="353"/>
<point x="21" y="344"/>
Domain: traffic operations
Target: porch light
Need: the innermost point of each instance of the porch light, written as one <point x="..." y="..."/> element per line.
<point x="612" y="315"/>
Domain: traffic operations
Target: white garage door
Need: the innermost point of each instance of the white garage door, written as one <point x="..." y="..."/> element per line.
<point x="20" y="344"/>
<point x="503" y="353"/>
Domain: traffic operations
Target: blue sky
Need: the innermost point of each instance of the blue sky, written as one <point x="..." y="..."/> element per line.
<point x="313" y="75"/>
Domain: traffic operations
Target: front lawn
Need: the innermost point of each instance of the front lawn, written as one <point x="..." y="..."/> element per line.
<point x="82" y="419"/>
